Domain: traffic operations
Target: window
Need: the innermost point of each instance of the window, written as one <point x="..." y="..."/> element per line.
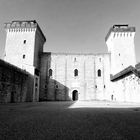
<point x="56" y="86"/>
<point x="99" y="73"/>
<point x="23" y="56"/>
<point x="24" y="41"/>
<point x="45" y="86"/>
<point x="104" y="86"/>
<point x="95" y="86"/>
<point x="100" y="59"/>
<point x="36" y="82"/>
<point x="75" y="72"/>
<point x="50" y="72"/>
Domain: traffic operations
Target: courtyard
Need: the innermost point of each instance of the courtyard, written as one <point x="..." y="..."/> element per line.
<point x="81" y="120"/>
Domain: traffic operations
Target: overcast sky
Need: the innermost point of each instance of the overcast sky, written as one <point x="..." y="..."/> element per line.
<point x="73" y="25"/>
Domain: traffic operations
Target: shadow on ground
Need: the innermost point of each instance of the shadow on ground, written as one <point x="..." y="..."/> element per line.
<point x="69" y="121"/>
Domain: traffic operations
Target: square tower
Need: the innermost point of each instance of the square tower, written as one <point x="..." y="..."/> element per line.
<point x="24" y="43"/>
<point x="120" y="43"/>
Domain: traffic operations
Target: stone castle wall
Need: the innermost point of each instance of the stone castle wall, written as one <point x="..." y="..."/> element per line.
<point x="126" y="85"/>
<point x="15" y="84"/>
<point x="62" y="83"/>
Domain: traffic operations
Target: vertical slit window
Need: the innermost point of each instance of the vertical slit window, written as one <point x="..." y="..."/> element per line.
<point x="24" y="56"/>
<point x="24" y="41"/>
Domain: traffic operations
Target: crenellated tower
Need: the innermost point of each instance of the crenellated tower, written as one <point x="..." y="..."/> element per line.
<point x="120" y="43"/>
<point x="24" y="43"/>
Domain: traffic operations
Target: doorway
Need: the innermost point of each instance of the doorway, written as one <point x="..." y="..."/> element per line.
<point x="75" y="95"/>
<point x="12" y="97"/>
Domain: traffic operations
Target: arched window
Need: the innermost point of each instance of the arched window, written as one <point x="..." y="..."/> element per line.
<point x="99" y="73"/>
<point x="50" y="72"/>
<point x="75" y="72"/>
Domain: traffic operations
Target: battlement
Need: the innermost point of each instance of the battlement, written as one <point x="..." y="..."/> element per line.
<point x="120" y="28"/>
<point x="23" y="26"/>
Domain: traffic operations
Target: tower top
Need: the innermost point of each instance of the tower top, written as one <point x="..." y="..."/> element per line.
<point x="119" y="28"/>
<point x="28" y="24"/>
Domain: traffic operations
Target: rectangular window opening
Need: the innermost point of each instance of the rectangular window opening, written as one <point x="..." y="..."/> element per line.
<point x="24" y="41"/>
<point x="24" y="56"/>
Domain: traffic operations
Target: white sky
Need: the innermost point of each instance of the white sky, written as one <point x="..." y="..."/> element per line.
<point x="73" y="25"/>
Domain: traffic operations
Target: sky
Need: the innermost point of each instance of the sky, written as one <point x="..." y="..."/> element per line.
<point x="73" y="26"/>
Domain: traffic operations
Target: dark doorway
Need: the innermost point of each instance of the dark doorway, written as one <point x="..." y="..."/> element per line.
<point x="12" y="97"/>
<point x="75" y="95"/>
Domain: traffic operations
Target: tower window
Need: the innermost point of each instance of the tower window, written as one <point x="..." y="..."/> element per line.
<point x="99" y="73"/>
<point x="104" y="86"/>
<point x="119" y="54"/>
<point x="75" y="72"/>
<point x="95" y="86"/>
<point x="24" y="41"/>
<point x="24" y="56"/>
<point x="50" y="72"/>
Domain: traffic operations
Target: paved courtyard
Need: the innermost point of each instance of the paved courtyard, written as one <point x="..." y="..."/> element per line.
<point x="70" y="121"/>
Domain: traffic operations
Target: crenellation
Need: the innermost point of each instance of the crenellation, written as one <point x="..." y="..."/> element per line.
<point x="73" y="76"/>
<point x="21" y="24"/>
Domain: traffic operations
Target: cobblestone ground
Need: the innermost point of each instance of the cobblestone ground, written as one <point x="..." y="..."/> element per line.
<point x="70" y="121"/>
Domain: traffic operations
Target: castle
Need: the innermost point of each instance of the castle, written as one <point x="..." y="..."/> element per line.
<point x="72" y="76"/>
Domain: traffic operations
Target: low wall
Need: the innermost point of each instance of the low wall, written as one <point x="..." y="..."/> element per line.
<point x="16" y="85"/>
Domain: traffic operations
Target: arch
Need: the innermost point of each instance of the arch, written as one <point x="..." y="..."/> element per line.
<point x="74" y="95"/>
<point x="75" y="72"/>
<point x="50" y="72"/>
<point x="99" y="73"/>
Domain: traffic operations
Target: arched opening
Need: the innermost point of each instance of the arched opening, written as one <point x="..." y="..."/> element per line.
<point x="75" y="72"/>
<point x="75" y="95"/>
<point x="99" y="73"/>
<point x="50" y="72"/>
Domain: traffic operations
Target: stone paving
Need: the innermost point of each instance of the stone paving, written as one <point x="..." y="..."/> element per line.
<point x="70" y="121"/>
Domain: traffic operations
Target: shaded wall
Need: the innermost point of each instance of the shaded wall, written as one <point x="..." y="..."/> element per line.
<point x="51" y="88"/>
<point x="16" y="85"/>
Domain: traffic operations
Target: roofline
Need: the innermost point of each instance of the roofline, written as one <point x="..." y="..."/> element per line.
<point x="117" y="28"/>
<point x="125" y="72"/>
<point x="10" y="66"/>
<point x="34" y="21"/>
<point x="61" y="53"/>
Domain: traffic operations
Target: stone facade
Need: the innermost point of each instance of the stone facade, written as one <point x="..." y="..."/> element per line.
<point x="91" y="80"/>
<point x="120" y="43"/>
<point x="71" y="76"/>
<point x="24" y="45"/>
<point x="126" y="85"/>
